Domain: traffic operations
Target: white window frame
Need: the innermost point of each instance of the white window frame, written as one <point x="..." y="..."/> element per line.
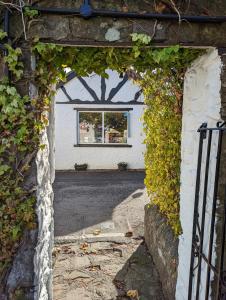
<point x="103" y="134"/>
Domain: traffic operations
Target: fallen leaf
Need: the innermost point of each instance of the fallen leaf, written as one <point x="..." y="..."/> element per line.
<point x="94" y="268"/>
<point x="84" y="246"/>
<point x="128" y="234"/>
<point x="133" y="294"/>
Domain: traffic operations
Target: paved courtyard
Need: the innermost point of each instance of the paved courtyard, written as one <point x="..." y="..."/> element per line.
<point x="99" y="248"/>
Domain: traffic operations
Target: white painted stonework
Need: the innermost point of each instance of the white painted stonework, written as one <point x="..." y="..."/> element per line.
<point x="67" y="155"/>
<point x="44" y="211"/>
<point x="202" y="103"/>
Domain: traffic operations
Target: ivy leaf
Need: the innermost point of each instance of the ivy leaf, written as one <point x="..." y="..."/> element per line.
<point x="11" y="90"/>
<point x="4" y="169"/>
<point x="15" y="232"/>
<point x="2" y="34"/>
<point x="30" y="12"/>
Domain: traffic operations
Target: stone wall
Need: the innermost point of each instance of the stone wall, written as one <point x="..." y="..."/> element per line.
<point x="163" y="246"/>
<point x="44" y="211"/>
<point x="108" y="31"/>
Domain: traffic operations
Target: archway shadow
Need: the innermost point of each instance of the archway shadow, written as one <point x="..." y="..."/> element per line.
<point x="139" y="277"/>
<point x="85" y="201"/>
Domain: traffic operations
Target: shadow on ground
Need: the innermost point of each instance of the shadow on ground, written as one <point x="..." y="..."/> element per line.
<point x="108" y="201"/>
<point x="105" y="271"/>
<point x="139" y="277"/>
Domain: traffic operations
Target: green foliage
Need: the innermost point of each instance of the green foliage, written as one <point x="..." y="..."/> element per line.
<point x="12" y="59"/>
<point x="141" y="38"/>
<point x="162" y="126"/>
<point x="18" y="141"/>
<point x="2" y="34"/>
<point x="30" y="13"/>
<point x="22" y="119"/>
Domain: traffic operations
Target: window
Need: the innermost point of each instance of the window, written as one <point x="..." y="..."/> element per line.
<point x="90" y="127"/>
<point x="103" y="127"/>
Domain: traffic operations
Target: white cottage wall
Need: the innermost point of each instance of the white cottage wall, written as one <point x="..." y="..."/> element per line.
<point x="96" y="157"/>
<point x="66" y="125"/>
<point x="202" y="103"/>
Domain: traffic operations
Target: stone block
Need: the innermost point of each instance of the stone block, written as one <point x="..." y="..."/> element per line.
<point x="21" y="275"/>
<point x="163" y="246"/>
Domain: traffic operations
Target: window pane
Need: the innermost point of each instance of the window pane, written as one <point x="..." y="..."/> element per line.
<point x="90" y="127"/>
<point x="115" y="127"/>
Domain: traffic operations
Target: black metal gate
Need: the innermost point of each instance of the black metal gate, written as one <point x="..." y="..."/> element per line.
<point x="205" y="270"/>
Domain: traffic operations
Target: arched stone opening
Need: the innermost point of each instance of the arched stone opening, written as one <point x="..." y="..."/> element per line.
<point x="44" y="177"/>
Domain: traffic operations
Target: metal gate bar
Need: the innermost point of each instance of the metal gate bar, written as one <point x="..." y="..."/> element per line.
<point x="198" y="231"/>
<point x="203" y="212"/>
<point x="213" y="217"/>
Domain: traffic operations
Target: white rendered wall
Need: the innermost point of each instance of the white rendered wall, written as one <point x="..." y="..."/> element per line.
<point x="66" y="155"/>
<point x="96" y="157"/>
<point x="201" y="104"/>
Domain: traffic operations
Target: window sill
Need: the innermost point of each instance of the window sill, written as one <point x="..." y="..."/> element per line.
<point x="104" y="145"/>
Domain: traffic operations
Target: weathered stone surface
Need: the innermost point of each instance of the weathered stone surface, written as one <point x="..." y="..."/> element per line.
<point x="44" y="211"/>
<point x="104" y="271"/>
<point x="21" y="276"/>
<point x="74" y="30"/>
<point x="163" y="246"/>
<point x="56" y="27"/>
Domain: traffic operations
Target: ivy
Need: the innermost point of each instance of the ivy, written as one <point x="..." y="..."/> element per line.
<point x="30" y="13"/>
<point x="158" y="71"/>
<point x="12" y="60"/>
<point x="162" y="126"/>
<point x="18" y="141"/>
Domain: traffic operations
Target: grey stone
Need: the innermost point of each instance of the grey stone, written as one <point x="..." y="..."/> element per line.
<point x="77" y="31"/>
<point x="163" y="246"/>
<point x="21" y="275"/>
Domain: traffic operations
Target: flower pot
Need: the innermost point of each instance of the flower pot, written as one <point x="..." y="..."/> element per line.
<point x="82" y="167"/>
<point x="122" y="167"/>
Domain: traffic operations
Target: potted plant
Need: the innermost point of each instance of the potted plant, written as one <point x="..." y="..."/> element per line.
<point x="122" y="166"/>
<point x="81" y="167"/>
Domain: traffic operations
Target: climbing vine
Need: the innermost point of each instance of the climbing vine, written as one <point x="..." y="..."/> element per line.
<point x="162" y="126"/>
<point x="158" y="71"/>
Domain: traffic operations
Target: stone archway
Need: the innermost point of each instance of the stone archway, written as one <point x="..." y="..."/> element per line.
<point x="108" y="32"/>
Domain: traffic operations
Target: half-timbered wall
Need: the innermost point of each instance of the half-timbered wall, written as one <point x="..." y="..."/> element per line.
<point x="117" y="93"/>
